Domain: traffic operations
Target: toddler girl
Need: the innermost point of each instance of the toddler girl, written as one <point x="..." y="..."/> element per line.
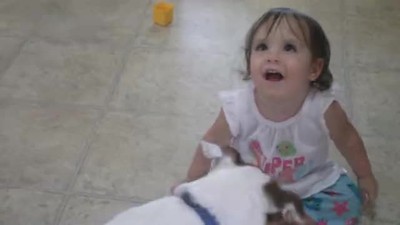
<point x="282" y="120"/>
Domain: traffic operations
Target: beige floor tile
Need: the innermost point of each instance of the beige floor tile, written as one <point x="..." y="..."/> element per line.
<point x="199" y="26"/>
<point x="40" y="147"/>
<point x="20" y="17"/>
<point x="305" y="6"/>
<point x="385" y="166"/>
<point x="173" y="82"/>
<point x="92" y="21"/>
<point x="9" y="48"/>
<point x="21" y="207"/>
<point x="387" y="210"/>
<point x="76" y="73"/>
<point x="387" y="9"/>
<point x="140" y="156"/>
<point x="334" y="28"/>
<point x="88" y="211"/>
<point x="336" y="7"/>
<point x="265" y="5"/>
<point x="372" y="43"/>
<point x="375" y="98"/>
<point x="383" y="158"/>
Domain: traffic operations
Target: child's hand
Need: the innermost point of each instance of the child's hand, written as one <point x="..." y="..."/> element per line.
<point x="369" y="191"/>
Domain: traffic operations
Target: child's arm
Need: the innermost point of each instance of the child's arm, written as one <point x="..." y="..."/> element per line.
<point x="349" y="143"/>
<point x="219" y="134"/>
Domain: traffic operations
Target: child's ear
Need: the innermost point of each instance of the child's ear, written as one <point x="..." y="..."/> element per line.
<point x="316" y="69"/>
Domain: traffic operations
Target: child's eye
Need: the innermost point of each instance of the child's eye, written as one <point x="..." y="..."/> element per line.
<point x="290" y="48"/>
<point x="261" y="47"/>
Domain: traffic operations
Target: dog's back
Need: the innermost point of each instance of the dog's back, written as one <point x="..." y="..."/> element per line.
<point x="169" y="210"/>
<point x="234" y="195"/>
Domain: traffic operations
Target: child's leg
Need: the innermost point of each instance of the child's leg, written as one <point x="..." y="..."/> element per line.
<point x="339" y="204"/>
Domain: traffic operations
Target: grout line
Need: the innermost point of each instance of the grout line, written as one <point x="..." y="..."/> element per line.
<point x="100" y="109"/>
<point x="183" y="50"/>
<point x="104" y="110"/>
<point x="346" y="70"/>
<point x="180" y="50"/>
<point x="60" y="210"/>
<point x="91" y="138"/>
<point x="40" y="103"/>
<point x="130" y="110"/>
<point x="64" y="194"/>
<point x="134" y="200"/>
<point x="125" y="58"/>
<point x="25" y="39"/>
<point x="78" y="167"/>
<point x="35" y="189"/>
<point x="14" y="57"/>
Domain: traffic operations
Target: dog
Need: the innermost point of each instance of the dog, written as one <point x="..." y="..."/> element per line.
<point x="230" y="194"/>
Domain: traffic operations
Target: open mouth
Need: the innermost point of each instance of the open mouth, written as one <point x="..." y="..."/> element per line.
<point x="273" y="76"/>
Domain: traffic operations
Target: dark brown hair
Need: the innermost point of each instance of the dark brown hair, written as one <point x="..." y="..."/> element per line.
<point x="312" y="32"/>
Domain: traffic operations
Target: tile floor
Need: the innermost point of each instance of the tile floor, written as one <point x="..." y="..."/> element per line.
<point x="101" y="110"/>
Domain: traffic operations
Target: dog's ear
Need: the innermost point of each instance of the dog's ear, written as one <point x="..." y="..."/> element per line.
<point x="221" y="158"/>
<point x="225" y="162"/>
<point x="210" y="150"/>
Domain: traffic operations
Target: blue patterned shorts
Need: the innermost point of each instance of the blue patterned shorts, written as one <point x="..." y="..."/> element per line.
<point x="339" y="204"/>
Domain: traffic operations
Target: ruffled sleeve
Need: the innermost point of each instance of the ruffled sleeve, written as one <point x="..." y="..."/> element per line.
<point x="320" y="102"/>
<point x="231" y="110"/>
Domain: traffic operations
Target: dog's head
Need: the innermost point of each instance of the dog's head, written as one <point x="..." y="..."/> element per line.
<point x="229" y="185"/>
<point x="289" y="206"/>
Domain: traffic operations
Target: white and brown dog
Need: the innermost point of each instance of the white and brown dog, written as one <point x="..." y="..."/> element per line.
<point x="230" y="194"/>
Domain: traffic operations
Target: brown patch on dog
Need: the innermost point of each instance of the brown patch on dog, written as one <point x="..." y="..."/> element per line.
<point x="280" y="198"/>
<point x="274" y="218"/>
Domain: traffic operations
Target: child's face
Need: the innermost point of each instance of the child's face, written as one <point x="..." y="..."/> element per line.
<point x="281" y="64"/>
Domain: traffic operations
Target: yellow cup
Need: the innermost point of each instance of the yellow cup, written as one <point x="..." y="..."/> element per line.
<point x="163" y="13"/>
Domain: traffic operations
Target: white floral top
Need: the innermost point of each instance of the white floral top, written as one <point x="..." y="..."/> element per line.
<point x="294" y="151"/>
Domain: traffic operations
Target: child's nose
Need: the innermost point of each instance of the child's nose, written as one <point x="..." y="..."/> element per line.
<point x="274" y="60"/>
<point x="272" y="56"/>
